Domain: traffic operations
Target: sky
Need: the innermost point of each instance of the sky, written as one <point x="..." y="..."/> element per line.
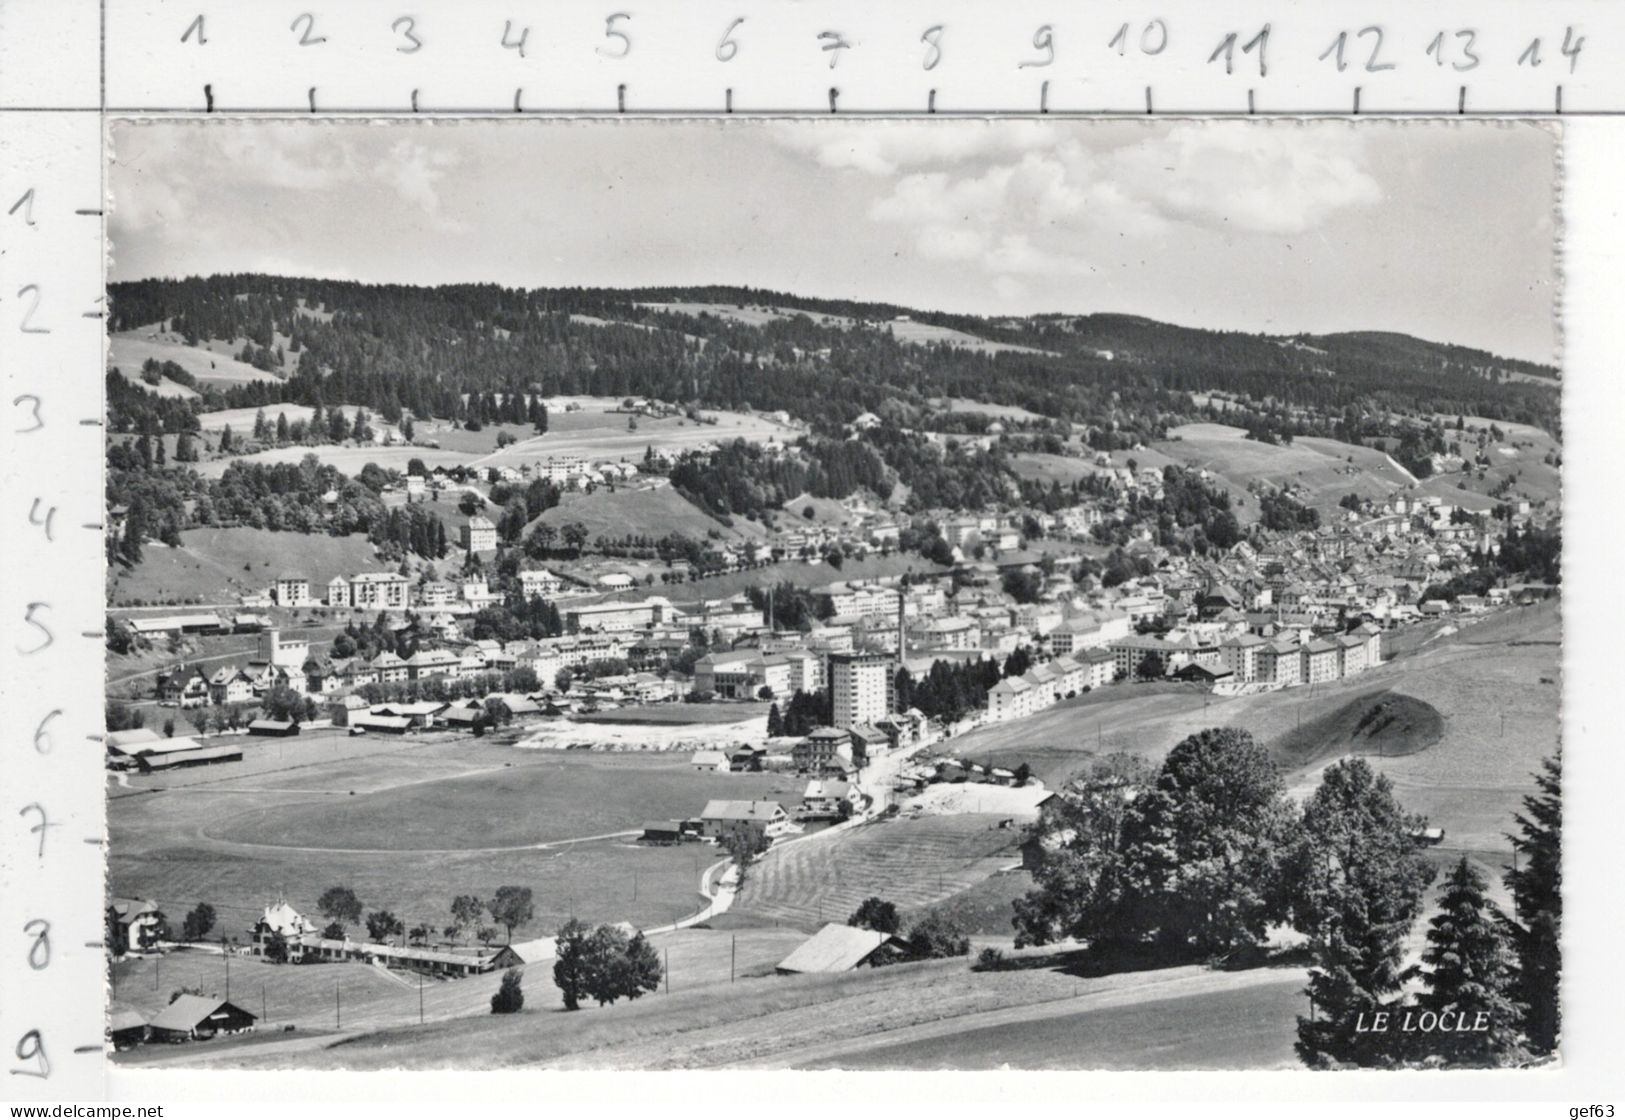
<point x="1442" y="229"/>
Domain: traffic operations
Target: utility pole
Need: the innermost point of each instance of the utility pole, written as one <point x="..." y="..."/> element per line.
<point x="263" y="1016"/>
<point x="420" y="999"/>
<point x="338" y="1011"/>
<point x="733" y="955"/>
<point x="668" y="970"/>
<point x="226" y="953"/>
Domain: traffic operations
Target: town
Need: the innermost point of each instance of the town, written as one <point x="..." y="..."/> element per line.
<point x="515" y="687"/>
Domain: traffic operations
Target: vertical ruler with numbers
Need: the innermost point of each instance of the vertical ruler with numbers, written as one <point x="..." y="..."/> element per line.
<point x="52" y="964"/>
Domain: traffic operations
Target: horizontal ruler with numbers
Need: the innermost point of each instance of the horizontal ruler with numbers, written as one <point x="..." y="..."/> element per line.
<point x="947" y="56"/>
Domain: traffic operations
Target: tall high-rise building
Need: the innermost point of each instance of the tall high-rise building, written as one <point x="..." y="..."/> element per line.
<point x="862" y="687"/>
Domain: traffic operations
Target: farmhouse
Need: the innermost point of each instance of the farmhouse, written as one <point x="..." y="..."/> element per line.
<point x="709" y="760"/>
<point x="765" y="818"/>
<point x="274" y="728"/>
<point x="197" y="1017"/>
<point x="841" y="948"/>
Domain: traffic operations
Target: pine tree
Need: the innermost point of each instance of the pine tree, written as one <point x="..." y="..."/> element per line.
<point x="259" y="424"/>
<point x="1537" y="896"/>
<point x="775" y="723"/>
<point x="1470" y="974"/>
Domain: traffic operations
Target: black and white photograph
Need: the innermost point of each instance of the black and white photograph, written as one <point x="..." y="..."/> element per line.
<point x="833" y="594"/>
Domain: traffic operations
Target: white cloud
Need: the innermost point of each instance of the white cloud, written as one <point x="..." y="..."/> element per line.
<point x="1034" y="200"/>
<point x="1271" y="178"/>
<point x="887" y="147"/>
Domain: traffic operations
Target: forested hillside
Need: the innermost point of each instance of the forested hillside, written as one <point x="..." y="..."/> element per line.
<point x="1123" y="378"/>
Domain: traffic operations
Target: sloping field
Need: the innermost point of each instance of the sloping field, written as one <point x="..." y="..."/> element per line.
<point x="128" y="350"/>
<point x="1522" y="453"/>
<point x="904" y="330"/>
<point x="217" y="565"/>
<point x="750" y="315"/>
<point x="1252" y="1027"/>
<point x="1484" y="682"/>
<point x="983" y="909"/>
<point x="911" y="863"/>
<point x="241" y="420"/>
<point x="997" y="411"/>
<point x="642" y="512"/>
<point x="1499" y="722"/>
<point x="928" y="334"/>
<point x="1059" y="742"/>
<point x="1321" y="466"/>
<point x="349" y="460"/>
<point x="1045" y="467"/>
<point x="777" y="1022"/>
<point x="595" y="438"/>
<point x="1067" y="469"/>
